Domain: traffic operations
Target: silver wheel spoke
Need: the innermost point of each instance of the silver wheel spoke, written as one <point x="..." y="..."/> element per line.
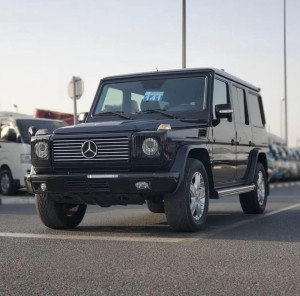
<point x="260" y="188"/>
<point x="197" y="181"/>
<point x="193" y="204"/>
<point x="197" y="196"/>
<point x="193" y="190"/>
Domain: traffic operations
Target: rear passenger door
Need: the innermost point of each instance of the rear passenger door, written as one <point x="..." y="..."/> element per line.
<point x="224" y="157"/>
<point x="243" y="129"/>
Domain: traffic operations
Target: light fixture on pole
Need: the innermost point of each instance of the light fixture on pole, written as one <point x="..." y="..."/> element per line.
<point x="16" y="106"/>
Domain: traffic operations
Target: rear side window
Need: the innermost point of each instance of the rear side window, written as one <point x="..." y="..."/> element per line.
<point x="220" y="95"/>
<point x="255" y="110"/>
<point x="239" y="101"/>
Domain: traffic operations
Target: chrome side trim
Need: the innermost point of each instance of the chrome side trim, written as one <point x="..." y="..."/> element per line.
<point x="236" y="190"/>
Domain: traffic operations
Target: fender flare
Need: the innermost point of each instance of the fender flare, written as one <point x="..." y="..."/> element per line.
<point x="181" y="159"/>
<point x="254" y="157"/>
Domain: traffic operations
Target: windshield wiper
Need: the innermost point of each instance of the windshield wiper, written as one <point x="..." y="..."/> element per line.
<point x="158" y="111"/>
<point x="120" y="113"/>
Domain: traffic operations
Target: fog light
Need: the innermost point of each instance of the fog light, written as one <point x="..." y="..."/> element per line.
<point x="43" y="187"/>
<point x="142" y="185"/>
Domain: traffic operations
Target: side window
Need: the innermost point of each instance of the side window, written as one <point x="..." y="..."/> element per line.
<point x="7" y="132"/>
<point x="255" y="110"/>
<point x="242" y="105"/>
<point x="220" y="95"/>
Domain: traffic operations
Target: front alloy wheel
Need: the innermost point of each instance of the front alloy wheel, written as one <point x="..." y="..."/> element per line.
<point x="187" y="209"/>
<point x="197" y="196"/>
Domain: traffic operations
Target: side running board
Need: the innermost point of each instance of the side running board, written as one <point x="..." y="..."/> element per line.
<point x="235" y="190"/>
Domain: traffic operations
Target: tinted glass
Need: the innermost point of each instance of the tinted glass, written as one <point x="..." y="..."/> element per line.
<point x="254" y="110"/>
<point x="220" y="95"/>
<point x="170" y="94"/>
<point x="241" y="102"/>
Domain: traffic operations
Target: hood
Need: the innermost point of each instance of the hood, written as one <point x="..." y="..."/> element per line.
<point x="125" y="126"/>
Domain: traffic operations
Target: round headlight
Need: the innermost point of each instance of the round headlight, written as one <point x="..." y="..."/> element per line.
<point x="150" y="147"/>
<point x="41" y="150"/>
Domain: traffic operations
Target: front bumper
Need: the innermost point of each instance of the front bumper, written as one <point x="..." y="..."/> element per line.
<point x="123" y="183"/>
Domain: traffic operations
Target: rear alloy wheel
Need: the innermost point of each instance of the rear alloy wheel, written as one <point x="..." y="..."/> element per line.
<point x="254" y="202"/>
<point x="6" y="182"/>
<point x="58" y="215"/>
<point x="187" y="209"/>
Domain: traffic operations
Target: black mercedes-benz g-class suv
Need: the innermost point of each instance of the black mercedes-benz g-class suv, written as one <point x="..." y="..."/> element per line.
<point x="172" y="139"/>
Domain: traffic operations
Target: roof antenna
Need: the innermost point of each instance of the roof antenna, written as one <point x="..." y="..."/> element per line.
<point x="223" y="70"/>
<point x="156" y="69"/>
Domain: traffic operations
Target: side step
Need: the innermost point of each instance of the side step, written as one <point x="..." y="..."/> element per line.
<point x="235" y="190"/>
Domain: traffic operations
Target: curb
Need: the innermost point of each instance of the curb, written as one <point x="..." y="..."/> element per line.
<point x="16" y="200"/>
<point x="285" y="184"/>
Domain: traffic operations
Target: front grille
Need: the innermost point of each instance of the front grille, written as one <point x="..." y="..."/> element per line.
<point x="99" y="185"/>
<point x="109" y="149"/>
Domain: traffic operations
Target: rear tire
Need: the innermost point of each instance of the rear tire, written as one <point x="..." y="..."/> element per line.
<point x="186" y="210"/>
<point x="155" y="207"/>
<point x="58" y="215"/>
<point x="7" y="183"/>
<point x="254" y="202"/>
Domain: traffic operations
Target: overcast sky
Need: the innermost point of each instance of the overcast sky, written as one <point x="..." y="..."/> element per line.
<point x="44" y="43"/>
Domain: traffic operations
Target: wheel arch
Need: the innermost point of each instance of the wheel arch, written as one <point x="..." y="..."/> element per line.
<point x="5" y="167"/>
<point x="199" y="152"/>
<point x="256" y="156"/>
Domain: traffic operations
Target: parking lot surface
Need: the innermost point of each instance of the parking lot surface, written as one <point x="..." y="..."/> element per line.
<point x="130" y="251"/>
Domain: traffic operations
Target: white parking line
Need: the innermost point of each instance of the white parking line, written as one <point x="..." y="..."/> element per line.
<point x="280" y="210"/>
<point x="143" y="239"/>
<point x="256" y="218"/>
<point x="97" y="238"/>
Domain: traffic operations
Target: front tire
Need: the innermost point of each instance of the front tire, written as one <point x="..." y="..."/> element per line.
<point x="6" y="182"/>
<point x="58" y="215"/>
<point x="254" y="202"/>
<point x="186" y="210"/>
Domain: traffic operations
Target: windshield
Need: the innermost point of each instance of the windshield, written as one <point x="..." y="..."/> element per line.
<point x="24" y="124"/>
<point x="173" y="95"/>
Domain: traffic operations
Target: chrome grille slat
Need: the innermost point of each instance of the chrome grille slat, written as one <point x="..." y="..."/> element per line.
<point x="109" y="149"/>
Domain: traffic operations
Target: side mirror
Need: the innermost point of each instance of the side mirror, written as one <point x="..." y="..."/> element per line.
<point x="11" y="136"/>
<point x="223" y="111"/>
<point x="32" y="131"/>
<point x="82" y="117"/>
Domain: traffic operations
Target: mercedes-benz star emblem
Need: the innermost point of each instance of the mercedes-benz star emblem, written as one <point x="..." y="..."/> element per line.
<point x="89" y="149"/>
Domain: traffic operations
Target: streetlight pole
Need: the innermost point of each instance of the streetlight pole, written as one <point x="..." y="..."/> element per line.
<point x="285" y="79"/>
<point x="183" y="34"/>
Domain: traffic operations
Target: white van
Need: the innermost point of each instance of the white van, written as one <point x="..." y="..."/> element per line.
<point x="15" y="148"/>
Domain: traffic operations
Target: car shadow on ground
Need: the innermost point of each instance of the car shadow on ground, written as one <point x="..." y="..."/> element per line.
<point x="220" y="225"/>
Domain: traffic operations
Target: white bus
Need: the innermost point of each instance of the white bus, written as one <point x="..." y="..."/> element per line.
<point x="15" y="148"/>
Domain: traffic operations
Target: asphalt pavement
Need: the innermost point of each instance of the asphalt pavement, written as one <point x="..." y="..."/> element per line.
<point x="130" y="251"/>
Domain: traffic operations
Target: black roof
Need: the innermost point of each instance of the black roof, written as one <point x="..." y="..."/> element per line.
<point x="186" y="71"/>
